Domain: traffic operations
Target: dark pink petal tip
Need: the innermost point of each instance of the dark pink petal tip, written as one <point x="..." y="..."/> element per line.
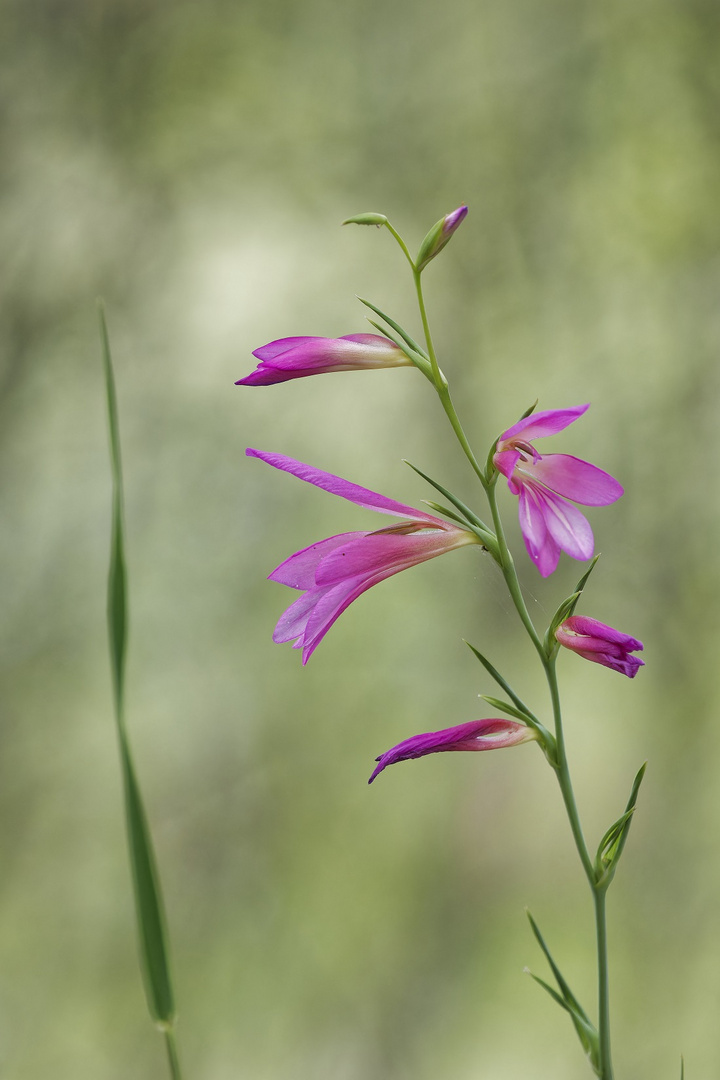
<point x="454" y="219"/>
<point x="489" y="734"/>
<point x="601" y="644"/>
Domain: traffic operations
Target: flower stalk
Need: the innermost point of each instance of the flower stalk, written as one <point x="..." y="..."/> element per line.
<point x="332" y="573"/>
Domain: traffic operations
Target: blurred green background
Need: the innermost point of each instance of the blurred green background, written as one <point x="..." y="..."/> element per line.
<point x="191" y="163"/>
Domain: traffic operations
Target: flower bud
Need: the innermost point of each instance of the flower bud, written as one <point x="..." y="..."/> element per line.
<point x="439" y="235"/>
<point x="366" y="219"/>
<point x="600" y="643"/>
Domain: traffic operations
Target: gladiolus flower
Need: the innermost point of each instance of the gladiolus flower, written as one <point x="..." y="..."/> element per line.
<point x="601" y="644"/>
<point x="544" y="483"/>
<point x="439" y="235"/>
<point x="477" y="735"/>
<point x="334" y="572"/>
<point x="297" y="357"/>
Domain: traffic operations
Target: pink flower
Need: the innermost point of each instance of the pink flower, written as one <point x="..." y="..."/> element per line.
<point x="544" y="483"/>
<point x="334" y="572"/>
<point x="477" y="735"/>
<point x="296" y="357"/>
<point x="601" y="644"/>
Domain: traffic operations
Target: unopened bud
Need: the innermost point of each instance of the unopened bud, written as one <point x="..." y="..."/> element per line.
<point x="439" y="235"/>
<point x="366" y="219"/>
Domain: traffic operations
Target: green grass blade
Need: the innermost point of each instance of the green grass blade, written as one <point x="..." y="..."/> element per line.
<point x="152" y="932"/>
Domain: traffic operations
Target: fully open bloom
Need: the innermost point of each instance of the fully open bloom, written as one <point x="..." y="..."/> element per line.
<point x="477" y="735"/>
<point x="601" y="644"/>
<point x="334" y="572"/>
<point x="544" y="483"/>
<point x="296" y="357"/>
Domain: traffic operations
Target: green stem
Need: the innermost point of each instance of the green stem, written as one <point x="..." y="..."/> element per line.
<point x="561" y="763"/>
<point x="171" y="1046"/>
<point x="402" y="244"/>
<point x="606" y="1069"/>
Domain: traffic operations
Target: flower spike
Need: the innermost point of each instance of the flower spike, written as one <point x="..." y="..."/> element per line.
<point x="477" y="735"/>
<point x="333" y="573"/>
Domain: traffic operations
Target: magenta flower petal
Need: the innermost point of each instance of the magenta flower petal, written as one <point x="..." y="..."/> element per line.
<point x="477" y="735"/>
<point x="283" y="345"/>
<point x="361" y="496"/>
<point x="544" y="484"/>
<point x="541" y="424"/>
<point x="374" y="553"/>
<point x="541" y="547"/>
<point x="298" y="572"/>
<point x="566" y="525"/>
<point x="298" y="357"/>
<point x="334" y="572"/>
<point x="574" y="479"/>
<point x="601" y="644"/>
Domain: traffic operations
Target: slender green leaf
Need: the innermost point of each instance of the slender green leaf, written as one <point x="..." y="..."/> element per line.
<point x="585" y="1029"/>
<point x="584" y="579"/>
<point x="487" y="535"/>
<point x="396" y="327"/>
<point x="611" y="846"/>
<point x="682" y="1068"/>
<point x="439" y="509"/>
<point x="146" y="886"/>
<point x="565" y="990"/>
<point x="530" y="411"/>
<point x="419" y="361"/>
<point x="491" y="670"/>
<point x="503" y="706"/>
<point x="565" y="610"/>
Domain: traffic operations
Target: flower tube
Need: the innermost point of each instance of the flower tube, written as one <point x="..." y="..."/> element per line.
<point x="545" y="482"/>
<point x="601" y="644"/>
<point x="298" y="357"/>
<point x="332" y="573"/>
<point x="477" y="735"/>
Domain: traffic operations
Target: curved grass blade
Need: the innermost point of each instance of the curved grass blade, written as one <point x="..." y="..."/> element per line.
<point x="152" y="932"/>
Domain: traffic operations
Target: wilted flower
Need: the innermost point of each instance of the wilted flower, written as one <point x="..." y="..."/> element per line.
<point x="477" y="735"/>
<point x="297" y="357"/>
<point x="439" y="235"/>
<point x="544" y="482"/>
<point x="601" y="644"/>
<point x="334" y="572"/>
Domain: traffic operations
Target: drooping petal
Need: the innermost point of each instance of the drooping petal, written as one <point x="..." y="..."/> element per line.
<point x="361" y="496"/>
<point x="574" y="479"/>
<point x="541" y="547"/>
<point x="489" y="734"/>
<point x="541" y="424"/>
<point x="568" y="527"/>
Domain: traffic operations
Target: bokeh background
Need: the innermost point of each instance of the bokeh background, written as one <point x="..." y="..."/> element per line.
<point x="191" y="163"/>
